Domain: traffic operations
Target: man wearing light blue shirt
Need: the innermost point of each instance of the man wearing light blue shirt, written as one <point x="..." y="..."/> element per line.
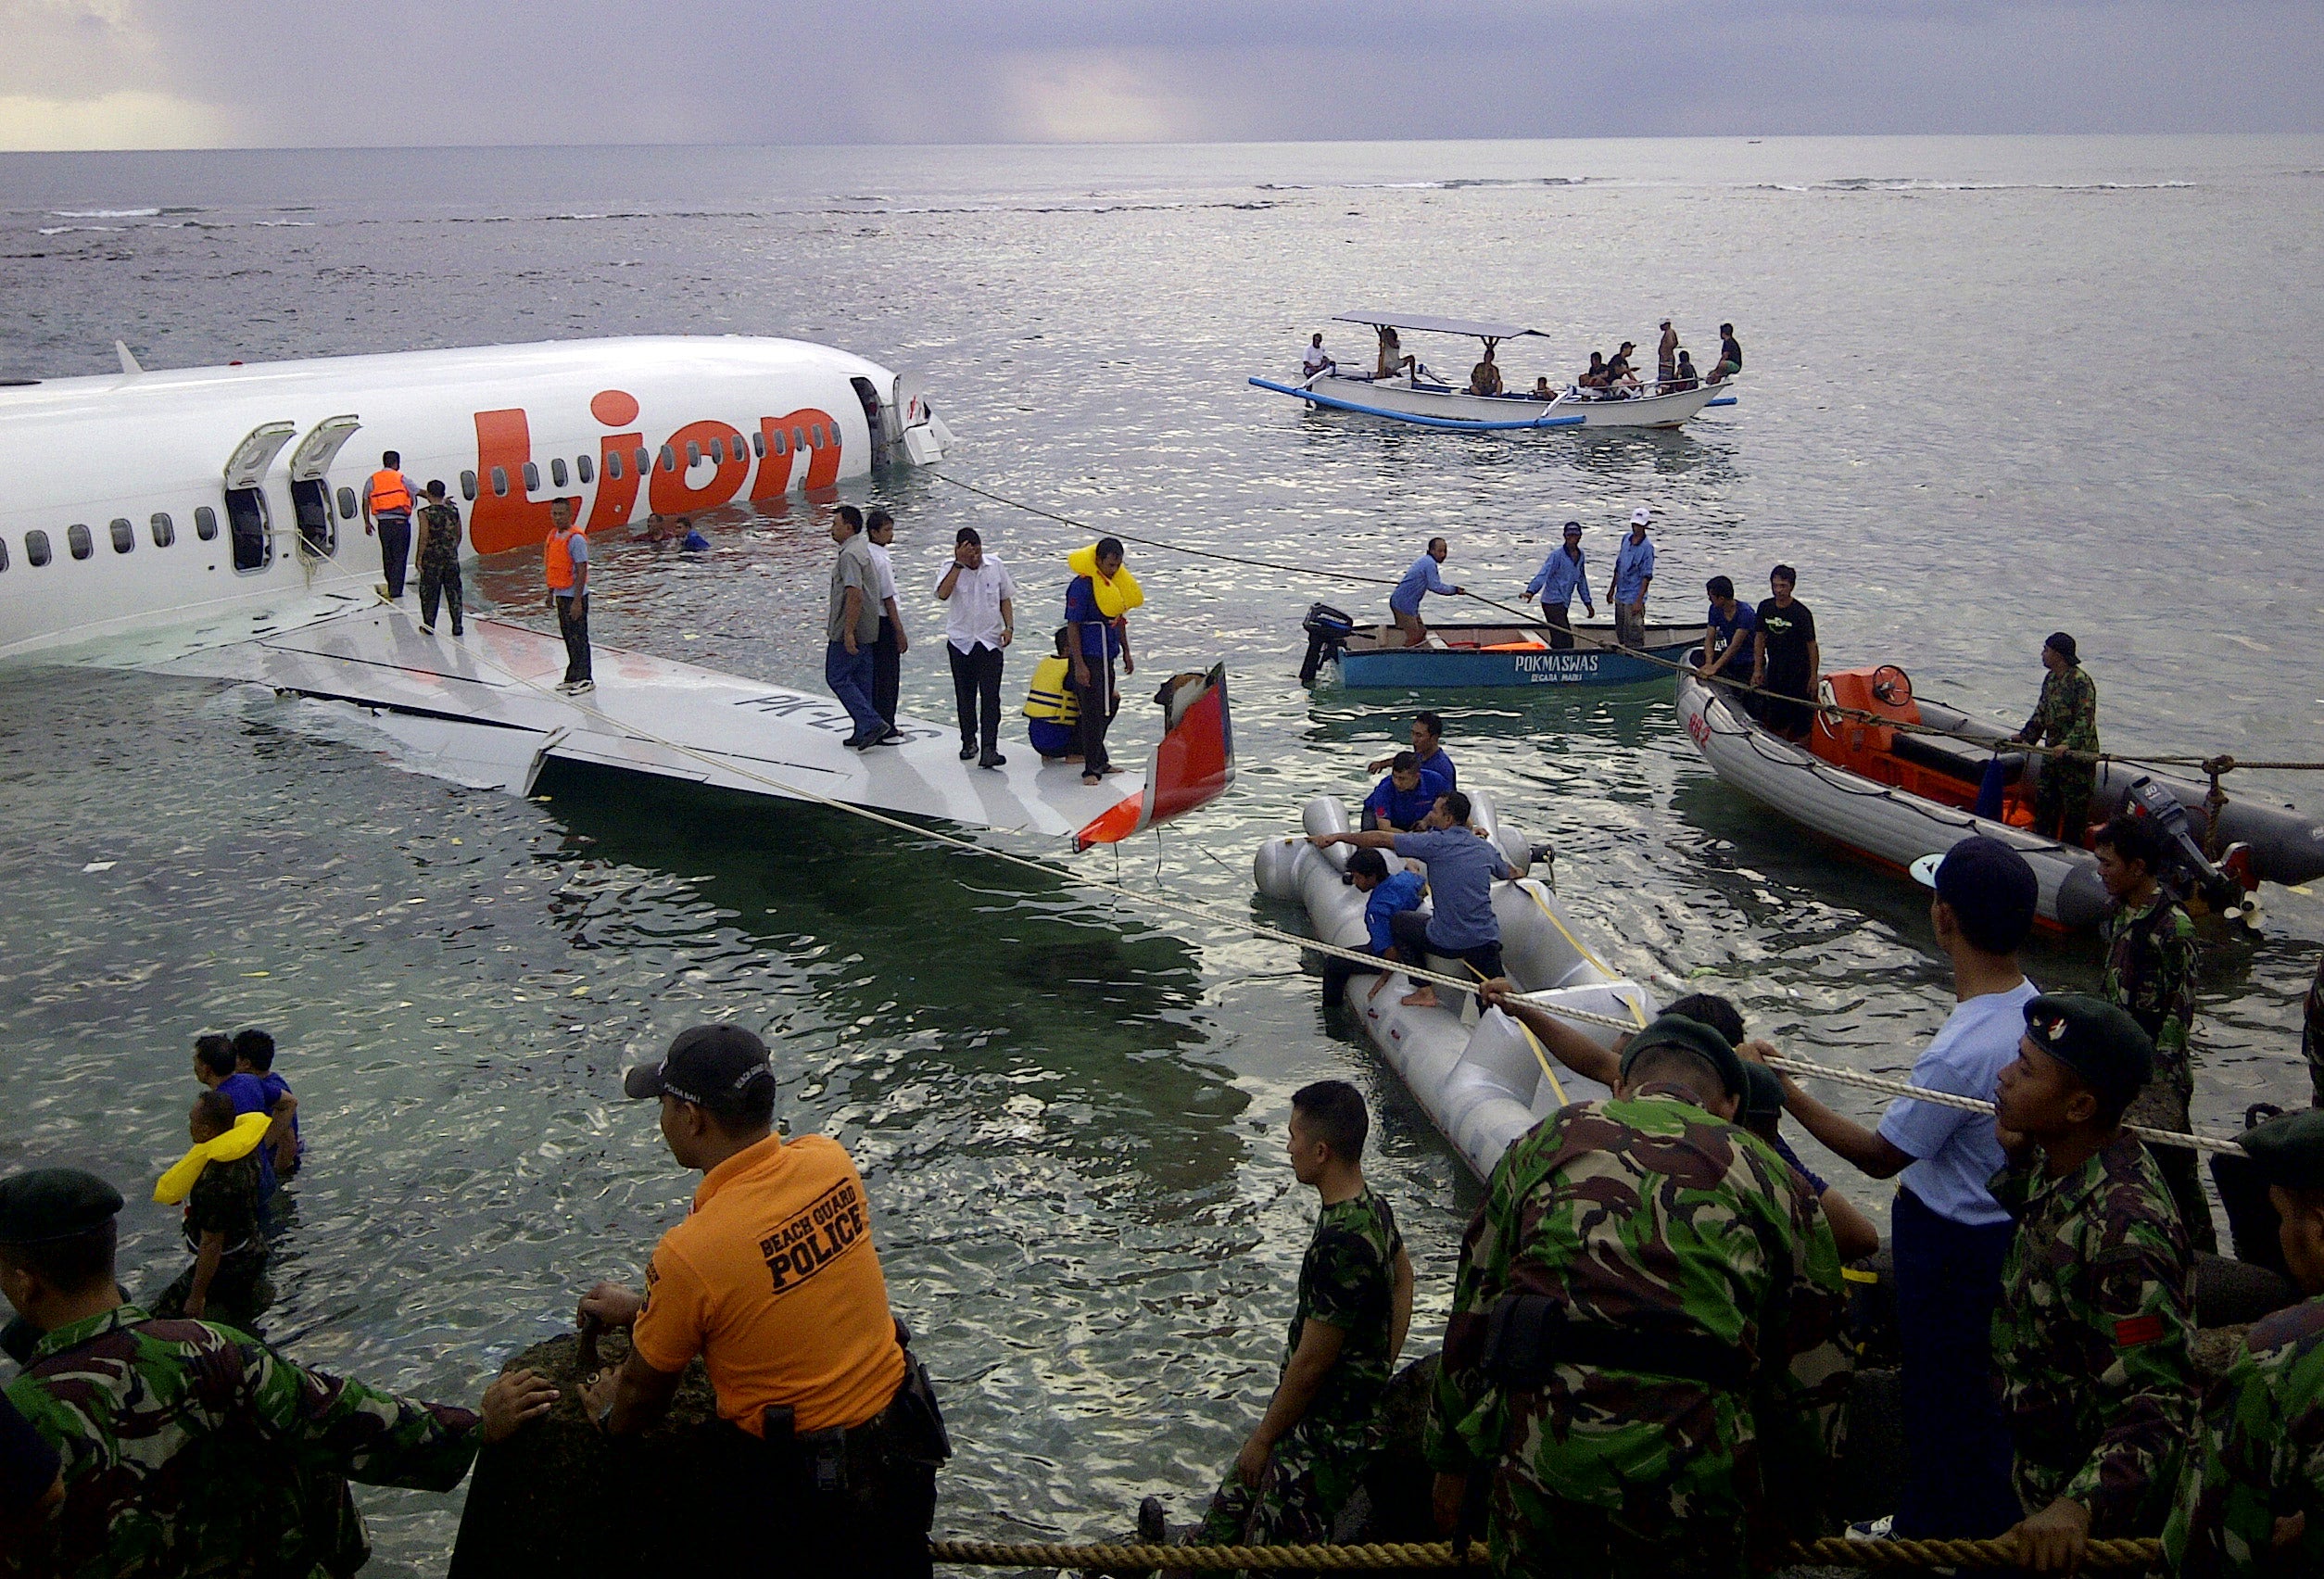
<point x="1948" y="1233"/>
<point x="1634" y="572"/>
<point x="1420" y="581"/>
<point x="1562" y="574"/>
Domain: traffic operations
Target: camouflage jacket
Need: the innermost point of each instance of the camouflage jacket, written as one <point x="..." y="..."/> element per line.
<point x="1647" y="1214"/>
<point x="2151" y="973"/>
<point x="224" y="1201"/>
<point x="192" y="1449"/>
<point x="2092" y="1337"/>
<point x="2067" y="714"/>
<point x="2312" y="1034"/>
<point x="2259" y="1458"/>
<point x="1348" y="1281"/>
<point x="439" y="537"/>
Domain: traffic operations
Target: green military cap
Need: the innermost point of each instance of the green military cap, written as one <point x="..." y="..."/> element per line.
<point x="2289" y="1149"/>
<point x="53" y="1203"/>
<point x="1763" y="1092"/>
<point x="1690" y="1036"/>
<point x="2110" y="1051"/>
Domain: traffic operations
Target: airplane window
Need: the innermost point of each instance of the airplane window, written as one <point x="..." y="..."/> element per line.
<point x="718" y="450"/>
<point x="669" y="459"/>
<point x="556" y="471"/>
<point x="613" y="464"/>
<point x="581" y="465"/>
<point x="693" y="454"/>
<point x="205" y="523"/>
<point x="348" y="506"/>
<point x="468" y="485"/>
<point x="36" y="549"/>
<point x="501" y="481"/>
<point x="124" y="535"/>
<point x="77" y="538"/>
<point x="758" y="443"/>
<point x="799" y="439"/>
<point x="165" y="531"/>
<point x="642" y="459"/>
<point x="532" y="477"/>
<point x="782" y="445"/>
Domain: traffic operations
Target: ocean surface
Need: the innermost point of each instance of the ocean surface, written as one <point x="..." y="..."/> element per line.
<point x="1996" y="387"/>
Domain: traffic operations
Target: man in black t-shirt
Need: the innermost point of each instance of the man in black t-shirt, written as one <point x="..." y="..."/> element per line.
<point x="1730" y="355"/>
<point x="1786" y="659"/>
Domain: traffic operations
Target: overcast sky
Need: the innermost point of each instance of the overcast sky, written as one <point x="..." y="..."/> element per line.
<point x="179" y="73"/>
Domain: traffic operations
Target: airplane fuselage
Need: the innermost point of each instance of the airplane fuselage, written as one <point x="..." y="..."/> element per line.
<point x="185" y="492"/>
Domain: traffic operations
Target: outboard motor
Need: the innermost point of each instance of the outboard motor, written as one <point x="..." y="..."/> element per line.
<point x="2195" y="875"/>
<point x="1328" y="629"/>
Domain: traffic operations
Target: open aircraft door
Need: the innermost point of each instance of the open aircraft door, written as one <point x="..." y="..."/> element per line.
<point x="924" y="438"/>
<point x="249" y="527"/>
<point x="311" y="486"/>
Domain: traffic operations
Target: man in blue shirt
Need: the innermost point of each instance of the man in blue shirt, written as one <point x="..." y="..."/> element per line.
<point x="1092" y="642"/>
<point x="1428" y="735"/>
<point x="1400" y="801"/>
<point x="1387" y="895"/>
<point x="1948" y="1233"/>
<point x="1418" y="583"/>
<point x="214" y="1067"/>
<point x="1461" y="866"/>
<point x="1634" y="572"/>
<point x="1729" y="621"/>
<point x="1562" y="574"/>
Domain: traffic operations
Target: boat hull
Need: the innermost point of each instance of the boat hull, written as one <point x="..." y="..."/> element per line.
<point x="1432" y="404"/>
<point x="1476" y="1075"/>
<point x="1594" y="660"/>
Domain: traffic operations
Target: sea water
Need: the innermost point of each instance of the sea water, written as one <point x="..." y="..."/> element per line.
<point x="1994" y="387"/>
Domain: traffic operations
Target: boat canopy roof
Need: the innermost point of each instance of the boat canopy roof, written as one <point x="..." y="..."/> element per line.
<point x="1435" y="325"/>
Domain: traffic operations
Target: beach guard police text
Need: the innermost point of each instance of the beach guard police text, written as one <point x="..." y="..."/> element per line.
<point x="811" y="1240"/>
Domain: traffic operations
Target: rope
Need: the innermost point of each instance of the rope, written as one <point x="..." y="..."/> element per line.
<point x="2132" y="1555"/>
<point x="2216" y="764"/>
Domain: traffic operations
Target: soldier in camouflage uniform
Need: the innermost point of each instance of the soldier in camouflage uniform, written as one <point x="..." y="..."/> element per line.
<point x="2151" y="973"/>
<point x="2252" y="1501"/>
<point x="2312" y="1035"/>
<point x="1321" y="1428"/>
<point x="439" y="559"/>
<point x="1640" y="1360"/>
<point x="227" y="1280"/>
<point x="2097" y="1295"/>
<point x="189" y="1448"/>
<point x="2066" y="716"/>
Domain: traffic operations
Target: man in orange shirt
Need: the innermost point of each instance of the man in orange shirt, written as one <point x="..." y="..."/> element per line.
<point x="773" y="1280"/>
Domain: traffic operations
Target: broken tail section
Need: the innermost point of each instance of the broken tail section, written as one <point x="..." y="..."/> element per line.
<point x="1192" y="767"/>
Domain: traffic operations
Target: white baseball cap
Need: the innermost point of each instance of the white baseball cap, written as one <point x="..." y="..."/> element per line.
<point x="1641" y="516"/>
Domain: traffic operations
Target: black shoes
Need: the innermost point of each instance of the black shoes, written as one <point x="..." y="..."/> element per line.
<point x="967" y="751"/>
<point x="990" y="759"/>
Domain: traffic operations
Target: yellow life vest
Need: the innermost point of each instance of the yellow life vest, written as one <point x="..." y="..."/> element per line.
<point x="233" y="1146"/>
<point x="1050" y="697"/>
<point x="1116" y="597"/>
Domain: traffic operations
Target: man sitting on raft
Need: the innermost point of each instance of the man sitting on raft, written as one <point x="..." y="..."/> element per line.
<point x="1401" y="802"/>
<point x="1461" y="866"/>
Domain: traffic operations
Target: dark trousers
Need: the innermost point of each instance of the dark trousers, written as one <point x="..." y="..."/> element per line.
<point x="976" y="690"/>
<point x="394" y="548"/>
<point x="850" y="676"/>
<point x="1560" y="626"/>
<point x="1094" y="692"/>
<point x="1956" y="1441"/>
<point x="573" y="624"/>
<point x="886" y="671"/>
<point x="2062" y="800"/>
<point x="1629" y="625"/>
<point x="443" y="584"/>
<point x="2184" y="1178"/>
<point x="1409" y="929"/>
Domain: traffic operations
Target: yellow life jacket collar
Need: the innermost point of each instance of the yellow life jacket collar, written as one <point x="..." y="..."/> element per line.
<point x="233" y="1146"/>
<point x="1117" y="594"/>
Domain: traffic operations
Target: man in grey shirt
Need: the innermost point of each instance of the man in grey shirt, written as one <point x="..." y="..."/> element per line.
<point x="853" y="626"/>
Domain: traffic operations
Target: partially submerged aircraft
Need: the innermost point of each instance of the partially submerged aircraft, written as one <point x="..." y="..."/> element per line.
<point x="206" y="522"/>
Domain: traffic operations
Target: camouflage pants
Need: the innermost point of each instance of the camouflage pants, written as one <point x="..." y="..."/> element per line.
<point x="2062" y="799"/>
<point x="239" y="1293"/>
<point x="1308" y="1480"/>
<point x="1530" y="1534"/>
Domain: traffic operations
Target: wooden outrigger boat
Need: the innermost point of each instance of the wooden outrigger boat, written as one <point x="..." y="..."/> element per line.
<point x="1416" y="396"/>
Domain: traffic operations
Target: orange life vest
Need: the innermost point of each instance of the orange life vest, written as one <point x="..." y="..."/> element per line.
<point x="389" y="494"/>
<point x="557" y="558"/>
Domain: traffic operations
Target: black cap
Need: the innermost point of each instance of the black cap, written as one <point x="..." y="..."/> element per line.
<point x="710" y="1066"/>
<point x="53" y="1203"/>
<point x="2289" y="1149"/>
<point x="1991" y="888"/>
<point x="2063" y="645"/>
<point x="1763" y="1092"/>
<point x="1689" y="1036"/>
<point x="2110" y="1051"/>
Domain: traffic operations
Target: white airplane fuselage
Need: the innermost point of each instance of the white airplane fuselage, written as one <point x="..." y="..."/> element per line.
<point x="130" y="498"/>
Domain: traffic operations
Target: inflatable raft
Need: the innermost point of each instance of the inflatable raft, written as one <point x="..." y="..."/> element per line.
<point x="1482" y="1079"/>
<point x="1894" y="796"/>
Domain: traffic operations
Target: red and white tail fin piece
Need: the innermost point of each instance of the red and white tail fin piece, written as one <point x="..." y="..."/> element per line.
<point x="1192" y="767"/>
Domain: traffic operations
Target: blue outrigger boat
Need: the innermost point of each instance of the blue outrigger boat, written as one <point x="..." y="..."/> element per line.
<point x="1459" y="656"/>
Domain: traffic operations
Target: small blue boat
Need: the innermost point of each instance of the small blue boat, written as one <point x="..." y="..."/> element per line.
<point x="1461" y="656"/>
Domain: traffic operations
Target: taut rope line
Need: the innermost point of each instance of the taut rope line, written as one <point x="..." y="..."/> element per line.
<point x="2133" y="1555"/>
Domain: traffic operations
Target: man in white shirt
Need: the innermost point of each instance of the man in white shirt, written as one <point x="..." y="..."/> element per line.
<point x="879" y="528"/>
<point x="1948" y="1233"/>
<point x="1315" y="362"/>
<point x="979" y="600"/>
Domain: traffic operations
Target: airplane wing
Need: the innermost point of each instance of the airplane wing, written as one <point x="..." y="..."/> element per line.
<point x="483" y="711"/>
